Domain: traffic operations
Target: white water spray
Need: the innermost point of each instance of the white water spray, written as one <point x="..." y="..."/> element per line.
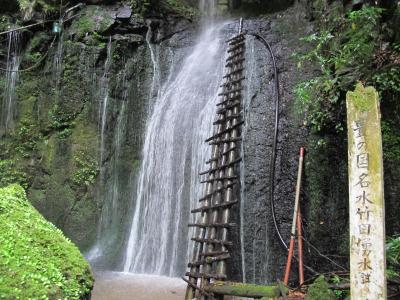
<point x="173" y="154"/>
<point x="13" y="62"/>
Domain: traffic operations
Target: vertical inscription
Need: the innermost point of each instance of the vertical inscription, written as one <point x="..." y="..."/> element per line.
<point x="366" y="203"/>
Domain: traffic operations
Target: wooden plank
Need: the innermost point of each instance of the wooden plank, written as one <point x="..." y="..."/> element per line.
<point x="226" y="118"/>
<point x="233" y="72"/>
<point x="366" y="201"/>
<point x="206" y="275"/>
<point x="212" y="241"/>
<point x="229" y="129"/>
<point x="226" y="225"/>
<point x="238" y="46"/>
<point x="222" y="205"/>
<point x="234" y="56"/>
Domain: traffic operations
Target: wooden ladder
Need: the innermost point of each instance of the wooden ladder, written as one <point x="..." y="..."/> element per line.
<point x="211" y="238"/>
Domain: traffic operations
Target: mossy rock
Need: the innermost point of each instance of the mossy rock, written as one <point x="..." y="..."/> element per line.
<point x="94" y="19"/>
<point x="319" y="290"/>
<point x="36" y="260"/>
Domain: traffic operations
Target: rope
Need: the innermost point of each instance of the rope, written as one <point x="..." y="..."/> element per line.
<point x="323" y="255"/>
<point x="25" y="27"/>
<point x="51" y="45"/>
<point x="35" y="65"/>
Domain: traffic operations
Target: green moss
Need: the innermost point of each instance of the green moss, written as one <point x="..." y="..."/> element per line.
<point x="393" y="257"/>
<point x="326" y="190"/>
<point x="391" y="142"/>
<point x="86" y="169"/>
<point x="10" y="173"/>
<point x="36" y="260"/>
<point x="319" y="290"/>
<point x="363" y="98"/>
<point x="243" y="289"/>
<point x="93" y="19"/>
<point x="29" y="7"/>
<point x="388" y="80"/>
<point x="343" y="50"/>
<point x="180" y="7"/>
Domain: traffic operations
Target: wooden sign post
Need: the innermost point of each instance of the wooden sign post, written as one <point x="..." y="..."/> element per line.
<point x="367" y="209"/>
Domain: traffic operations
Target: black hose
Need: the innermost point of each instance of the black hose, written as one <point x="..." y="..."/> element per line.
<point x="273" y="158"/>
<point x="273" y="154"/>
<point x="274" y="143"/>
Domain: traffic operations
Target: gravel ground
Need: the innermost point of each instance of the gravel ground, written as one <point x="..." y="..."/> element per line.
<point x="125" y="286"/>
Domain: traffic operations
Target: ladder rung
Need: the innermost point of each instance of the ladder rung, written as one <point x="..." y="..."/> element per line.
<point x="214" y="253"/>
<point x="229" y="150"/>
<point x="223" y="225"/>
<point x="227" y="118"/>
<point x="227" y="107"/>
<point x="235" y="38"/>
<point x="206" y="275"/>
<point x="230" y="140"/>
<point x="233" y="72"/>
<point x="237" y="46"/>
<point x="218" y="190"/>
<point x="234" y="62"/>
<point x="212" y="241"/>
<point x="232" y="82"/>
<point x="220" y="179"/>
<point x="230" y="98"/>
<point x="211" y="160"/>
<point x="230" y="91"/>
<point x="224" y="131"/>
<point x="223" y="166"/>
<point x="209" y="260"/>
<point x="216" y="206"/>
<point x="234" y="56"/>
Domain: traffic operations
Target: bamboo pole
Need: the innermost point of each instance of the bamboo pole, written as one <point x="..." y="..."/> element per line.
<point x="300" y="247"/>
<point x="295" y="217"/>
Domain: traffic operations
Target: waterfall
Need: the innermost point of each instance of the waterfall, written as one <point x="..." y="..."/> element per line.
<point x="174" y="152"/>
<point x="249" y="74"/>
<point x="106" y="195"/>
<point x="57" y="61"/>
<point x="208" y="7"/>
<point x="13" y="62"/>
<point x="155" y="83"/>
<point x="104" y="97"/>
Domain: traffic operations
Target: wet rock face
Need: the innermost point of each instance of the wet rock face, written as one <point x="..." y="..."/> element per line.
<point x="263" y="255"/>
<point x="63" y="124"/>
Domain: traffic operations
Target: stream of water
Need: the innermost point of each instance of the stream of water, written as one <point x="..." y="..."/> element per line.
<point x="13" y="62"/>
<point x="173" y="154"/>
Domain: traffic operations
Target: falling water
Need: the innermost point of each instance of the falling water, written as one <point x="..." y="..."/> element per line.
<point x="208" y="7"/>
<point x="57" y="61"/>
<point x="13" y="62"/>
<point x="104" y="97"/>
<point x="173" y="154"/>
<point x="103" y="194"/>
<point x="155" y="83"/>
<point x="249" y="74"/>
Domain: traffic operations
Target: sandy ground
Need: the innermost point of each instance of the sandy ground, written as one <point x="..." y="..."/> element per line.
<point x="125" y="286"/>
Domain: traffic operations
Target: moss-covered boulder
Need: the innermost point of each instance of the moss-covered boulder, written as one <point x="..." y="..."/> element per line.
<point x="36" y="260"/>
